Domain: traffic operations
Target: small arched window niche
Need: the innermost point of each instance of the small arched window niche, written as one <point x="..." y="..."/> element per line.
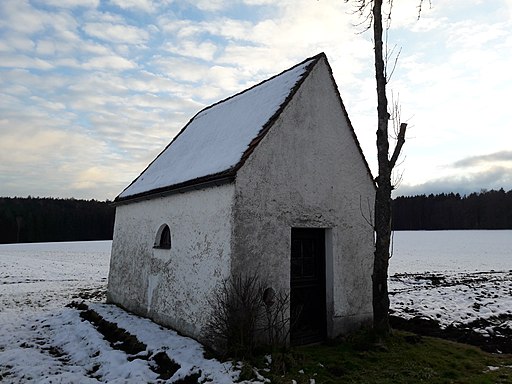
<point x="163" y="237"/>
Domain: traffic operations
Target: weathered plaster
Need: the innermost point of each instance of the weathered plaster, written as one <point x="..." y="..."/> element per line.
<point x="308" y="172"/>
<point x="172" y="286"/>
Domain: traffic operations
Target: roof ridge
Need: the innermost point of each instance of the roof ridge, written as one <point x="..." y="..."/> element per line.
<point x="266" y="127"/>
<point x="230" y="171"/>
<point x="315" y="58"/>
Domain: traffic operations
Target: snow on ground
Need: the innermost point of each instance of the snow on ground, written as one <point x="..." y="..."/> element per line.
<point x="43" y="341"/>
<point x="454" y="277"/>
<point x="44" y="275"/>
<point x="454" y="297"/>
<point x="451" y="251"/>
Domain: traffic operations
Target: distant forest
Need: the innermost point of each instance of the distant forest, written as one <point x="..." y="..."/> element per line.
<point x="484" y="210"/>
<point x="34" y="219"/>
<point x="27" y="220"/>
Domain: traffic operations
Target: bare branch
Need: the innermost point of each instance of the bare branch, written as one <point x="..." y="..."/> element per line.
<point x="400" y="140"/>
<point x="395" y="114"/>
<point x="367" y="23"/>
<point x="397" y="179"/>
<point x="364" y="9"/>
<point x="388" y="17"/>
<point x="388" y="77"/>
<point x="369" y="220"/>
<point x="396" y="117"/>
<point x="361" y="6"/>
<point x="420" y="7"/>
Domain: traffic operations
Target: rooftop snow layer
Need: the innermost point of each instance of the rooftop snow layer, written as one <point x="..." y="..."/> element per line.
<point x="217" y="137"/>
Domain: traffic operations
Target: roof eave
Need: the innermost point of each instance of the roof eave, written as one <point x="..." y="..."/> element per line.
<point x="196" y="184"/>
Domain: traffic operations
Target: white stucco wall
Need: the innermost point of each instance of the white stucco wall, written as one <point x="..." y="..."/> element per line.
<point x="308" y="172"/>
<point x="172" y="286"/>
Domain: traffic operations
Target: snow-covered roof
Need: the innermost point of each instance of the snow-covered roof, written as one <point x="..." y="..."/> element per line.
<point x="217" y="140"/>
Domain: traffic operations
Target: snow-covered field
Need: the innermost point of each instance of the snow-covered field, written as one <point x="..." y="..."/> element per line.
<point x="43" y="341"/>
<point x="45" y="275"/>
<point x="454" y="277"/>
<point x="454" y="298"/>
<point x="451" y="251"/>
<point x="450" y="276"/>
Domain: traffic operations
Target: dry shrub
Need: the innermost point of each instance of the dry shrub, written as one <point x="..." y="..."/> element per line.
<point x="246" y="314"/>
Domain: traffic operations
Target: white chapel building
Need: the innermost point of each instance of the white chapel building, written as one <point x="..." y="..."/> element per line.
<point x="269" y="181"/>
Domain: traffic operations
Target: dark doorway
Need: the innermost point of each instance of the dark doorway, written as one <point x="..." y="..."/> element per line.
<point x="307" y="284"/>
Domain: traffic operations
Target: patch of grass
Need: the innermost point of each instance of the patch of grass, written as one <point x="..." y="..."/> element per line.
<point x="401" y="358"/>
<point x="246" y="372"/>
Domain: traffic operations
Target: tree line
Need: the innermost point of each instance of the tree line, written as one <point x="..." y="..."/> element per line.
<point x="34" y="219"/>
<point x="31" y="219"/>
<point x="484" y="210"/>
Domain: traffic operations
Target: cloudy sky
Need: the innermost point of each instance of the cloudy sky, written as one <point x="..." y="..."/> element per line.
<point x="92" y="90"/>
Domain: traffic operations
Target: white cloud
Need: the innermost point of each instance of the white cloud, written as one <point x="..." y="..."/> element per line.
<point x="181" y="69"/>
<point x="224" y="78"/>
<point x="72" y="3"/>
<point x="466" y="183"/>
<point x="23" y="61"/>
<point x="17" y="43"/>
<point x="46" y="47"/>
<point x="259" y="2"/>
<point x="48" y="105"/>
<point x="142" y="5"/>
<point x="76" y="73"/>
<point x="469" y="34"/>
<point x="502" y="158"/>
<point x="109" y="62"/>
<point x="19" y="16"/>
<point x="301" y="30"/>
<point x="150" y="82"/>
<point x="204" y="50"/>
<point x="210" y="5"/>
<point x="90" y="47"/>
<point x="455" y="89"/>
<point x="70" y="163"/>
<point x="63" y="26"/>
<point x="466" y="175"/>
<point x="116" y="33"/>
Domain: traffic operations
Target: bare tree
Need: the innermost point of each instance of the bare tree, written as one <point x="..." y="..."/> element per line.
<point x="373" y="15"/>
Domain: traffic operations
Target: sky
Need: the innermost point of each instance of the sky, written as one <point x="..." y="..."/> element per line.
<point x="91" y="91"/>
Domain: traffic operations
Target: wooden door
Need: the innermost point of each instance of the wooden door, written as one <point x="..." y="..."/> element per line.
<point x="307" y="284"/>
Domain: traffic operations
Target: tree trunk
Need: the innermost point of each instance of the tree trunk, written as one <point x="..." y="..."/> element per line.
<point x="383" y="194"/>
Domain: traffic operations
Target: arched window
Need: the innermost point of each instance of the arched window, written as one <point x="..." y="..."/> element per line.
<point x="163" y="237"/>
